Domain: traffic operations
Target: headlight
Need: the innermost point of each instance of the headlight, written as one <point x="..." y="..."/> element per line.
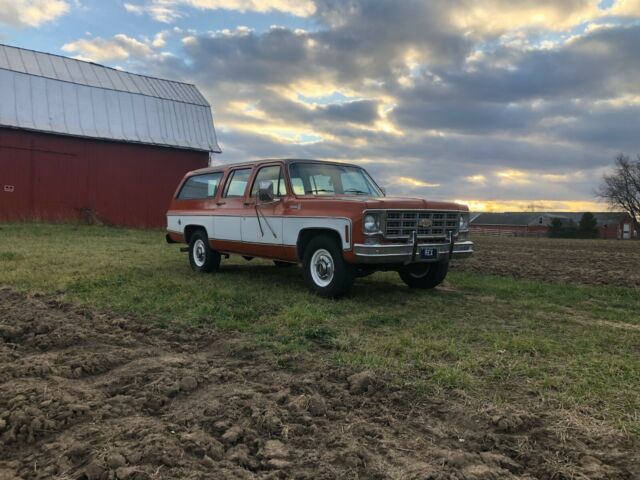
<point x="464" y="221"/>
<point x="371" y="223"/>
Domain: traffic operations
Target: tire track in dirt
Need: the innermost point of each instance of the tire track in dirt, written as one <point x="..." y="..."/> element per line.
<point x="86" y="395"/>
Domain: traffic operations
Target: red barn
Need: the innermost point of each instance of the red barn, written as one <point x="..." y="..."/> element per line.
<point x="84" y="141"/>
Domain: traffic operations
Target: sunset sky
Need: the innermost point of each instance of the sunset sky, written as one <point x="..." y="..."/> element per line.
<point x="502" y="104"/>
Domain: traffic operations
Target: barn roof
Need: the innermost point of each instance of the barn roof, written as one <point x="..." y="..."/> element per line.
<point x="528" y="218"/>
<point x="55" y="94"/>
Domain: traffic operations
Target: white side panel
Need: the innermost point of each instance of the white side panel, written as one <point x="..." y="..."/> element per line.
<point x="294" y="225"/>
<point x="246" y="229"/>
<point x="227" y="228"/>
<point x="251" y="230"/>
<point x="206" y="221"/>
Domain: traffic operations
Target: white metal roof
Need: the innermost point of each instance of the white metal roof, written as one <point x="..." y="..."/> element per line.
<point x="50" y="93"/>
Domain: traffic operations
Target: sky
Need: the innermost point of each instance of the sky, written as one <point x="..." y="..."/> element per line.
<point x="501" y="104"/>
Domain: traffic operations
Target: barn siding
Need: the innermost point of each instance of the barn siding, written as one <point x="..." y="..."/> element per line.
<point x="59" y="178"/>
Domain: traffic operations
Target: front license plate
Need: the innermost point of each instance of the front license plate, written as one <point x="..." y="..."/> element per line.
<point x="428" y="253"/>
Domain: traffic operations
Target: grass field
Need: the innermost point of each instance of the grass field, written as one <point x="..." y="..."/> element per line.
<point x="494" y="338"/>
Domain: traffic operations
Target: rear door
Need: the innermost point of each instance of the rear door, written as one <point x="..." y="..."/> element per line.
<point x="262" y="223"/>
<point x="231" y="209"/>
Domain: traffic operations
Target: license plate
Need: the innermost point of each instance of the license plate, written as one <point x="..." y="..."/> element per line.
<point x="428" y="253"/>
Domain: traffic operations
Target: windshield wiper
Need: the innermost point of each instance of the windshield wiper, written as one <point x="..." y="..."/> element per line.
<point x="319" y="190"/>
<point x="356" y="191"/>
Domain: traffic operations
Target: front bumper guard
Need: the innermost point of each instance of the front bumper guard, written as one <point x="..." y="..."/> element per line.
<point x="408" y="253"/>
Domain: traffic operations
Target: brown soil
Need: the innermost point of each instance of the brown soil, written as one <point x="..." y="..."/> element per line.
<point x="591" y="262"/>
<point x="86" y="395"/>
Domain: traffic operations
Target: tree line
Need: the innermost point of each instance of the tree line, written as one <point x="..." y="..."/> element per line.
<point x="586" y="228"/>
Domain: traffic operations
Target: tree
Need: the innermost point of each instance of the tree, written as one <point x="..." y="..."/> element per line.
<point x="621" y="188"/>
<point x="555" y="229"/>
<point x="588" y="226"/>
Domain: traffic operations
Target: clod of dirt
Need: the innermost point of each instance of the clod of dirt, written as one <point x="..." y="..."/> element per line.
<point x="3" y="424"/>
<point x="240" y="454"/>
<point x="131" y="473"/>
<point x="94" y="471"/>
<point x="275" y="449"/>
<point x="361" y="382"/>
<point x="317" y="406"/>
<point x="232" y="435"/>
<point x="188" y="384"/>
<point x="115" y="460"/>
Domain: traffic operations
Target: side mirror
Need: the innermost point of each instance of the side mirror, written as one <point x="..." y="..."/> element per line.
<point x="384" y="191"/>
<point x="265" y="192"/>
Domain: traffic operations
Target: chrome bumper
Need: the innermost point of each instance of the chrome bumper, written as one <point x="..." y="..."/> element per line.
<point x="408" y="253"/>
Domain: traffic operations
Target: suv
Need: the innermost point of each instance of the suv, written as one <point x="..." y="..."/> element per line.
<point x="331" y="217"/>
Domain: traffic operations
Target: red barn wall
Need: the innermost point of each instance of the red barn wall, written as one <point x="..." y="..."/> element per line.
<point x="57" y="178"/>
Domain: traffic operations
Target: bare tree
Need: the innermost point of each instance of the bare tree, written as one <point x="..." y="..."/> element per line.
<point x="621" y="188"/>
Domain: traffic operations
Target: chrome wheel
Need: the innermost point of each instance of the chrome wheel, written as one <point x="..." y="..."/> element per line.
<point x="322" y="267"/>
<point x="199" y="253"/>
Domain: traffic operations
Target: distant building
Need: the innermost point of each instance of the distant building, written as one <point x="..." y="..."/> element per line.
<point x="83" y="140"/>
<point x="611" y="225"/>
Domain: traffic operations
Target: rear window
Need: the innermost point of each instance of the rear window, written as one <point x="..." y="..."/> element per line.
<point x="200" y="186"/>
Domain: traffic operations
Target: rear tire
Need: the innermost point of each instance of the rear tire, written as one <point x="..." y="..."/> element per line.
<point x="424" y="276"/>
<point x="201" y="257"/>
<point x="325" y="271"/>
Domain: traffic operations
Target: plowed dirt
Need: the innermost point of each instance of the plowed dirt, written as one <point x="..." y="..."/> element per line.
<point x="87" y="395"/>
<point x="573" y="261"/>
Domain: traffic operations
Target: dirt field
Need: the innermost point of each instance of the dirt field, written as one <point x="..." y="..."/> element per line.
<point x="593" y="262"/>
<point x="85" y="395"/>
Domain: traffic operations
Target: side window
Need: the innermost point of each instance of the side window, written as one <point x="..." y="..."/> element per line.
<point x="200" y="187"/>
<point x="297" y="185"/>
<point x="271" y="174"/>
<point x="237" y="183"/>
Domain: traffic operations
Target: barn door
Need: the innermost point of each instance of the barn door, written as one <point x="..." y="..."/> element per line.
<point x="14" y="183"/>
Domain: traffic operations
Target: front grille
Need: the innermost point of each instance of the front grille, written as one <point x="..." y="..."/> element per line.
<point x="402" y="223"/>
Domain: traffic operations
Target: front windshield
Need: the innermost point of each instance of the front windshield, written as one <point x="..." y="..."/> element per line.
<point x="330" y="179"/>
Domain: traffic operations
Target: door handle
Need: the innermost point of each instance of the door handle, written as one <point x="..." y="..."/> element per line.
<point x="220" y="203"/>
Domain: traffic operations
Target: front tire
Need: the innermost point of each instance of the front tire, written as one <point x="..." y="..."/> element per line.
<point x="201" y="257"/>
<point x="325" y="271"/>
<point x="424" y="276"/>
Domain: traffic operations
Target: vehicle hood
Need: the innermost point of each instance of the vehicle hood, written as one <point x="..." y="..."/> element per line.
<point x="401" y="203"/>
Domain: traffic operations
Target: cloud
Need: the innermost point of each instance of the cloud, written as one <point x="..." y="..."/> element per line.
<point x="499" y="16"/>
<point x="497" y="100"/>
<point x="31" y="13"/>
<point x="167" y="11"/>
<point x="158" y="11"/>
<point x="120" y="47"/>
